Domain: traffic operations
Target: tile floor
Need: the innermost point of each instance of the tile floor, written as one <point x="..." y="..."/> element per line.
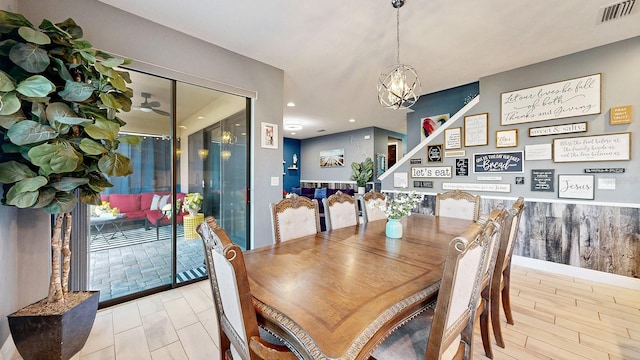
<point x="556" y="317"/>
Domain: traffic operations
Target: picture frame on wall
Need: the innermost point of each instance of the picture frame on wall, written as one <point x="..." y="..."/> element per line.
<point x="576" y="187"/>
<point x="453" y="138"/>
<point x="434" y="153"/>
<point x="476" y="130"/>
<point x="269" y="135"/>
<point x="507" y="138"/>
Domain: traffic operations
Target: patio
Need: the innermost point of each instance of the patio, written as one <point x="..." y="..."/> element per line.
<point x="126" y="260"/>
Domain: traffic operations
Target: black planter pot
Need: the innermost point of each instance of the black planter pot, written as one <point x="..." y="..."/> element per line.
<point x="56" y="337"/>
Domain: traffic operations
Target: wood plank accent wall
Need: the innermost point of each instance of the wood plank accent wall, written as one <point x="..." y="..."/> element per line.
<point x="603" y="238"/>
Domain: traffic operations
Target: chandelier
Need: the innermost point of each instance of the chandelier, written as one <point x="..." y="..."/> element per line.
<point x="398" y="85"/>
<point x="228" y="138"/>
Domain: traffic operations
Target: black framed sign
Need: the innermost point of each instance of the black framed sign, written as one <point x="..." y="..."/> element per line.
<point x="542" y="180"/>
<point x="462" y="167"/>
<point x="434" y="153"/>
<point x="502" y="162"/>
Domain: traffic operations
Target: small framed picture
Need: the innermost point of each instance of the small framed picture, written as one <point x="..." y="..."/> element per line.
<point x="434" y="153"/>
<point x="476" y="130"/>
<point x="269" y="135"/>
<point x="453" y="138"/>
<point x="507" y="138"/>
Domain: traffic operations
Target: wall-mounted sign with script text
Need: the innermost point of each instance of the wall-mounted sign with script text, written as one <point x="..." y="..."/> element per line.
<point x="558" y="129"/>
<point x="542" y="180"/>
<point x="503" y="162"/>
<point x="609" y="147"/>
<point x="505" y="188"/>
<point x="563" y="99"/>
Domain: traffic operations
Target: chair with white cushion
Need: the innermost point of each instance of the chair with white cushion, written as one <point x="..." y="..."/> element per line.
<point x="239" y="336"/>
<point x="458" y="204"/>
<point x="341" y="210"/>
<point x="294" y="217"/>
<point x="447" y="330"/>
<point x="371" y="212"/>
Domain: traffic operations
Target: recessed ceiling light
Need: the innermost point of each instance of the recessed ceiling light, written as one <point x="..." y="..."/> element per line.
<point x="292" y="126"/>
<point x="243" y="134"/>
<point x="200" y="117"/>
<point x="352" y="120"/>
<point x="237" y="124"/>
<point x="182" y="127"/>
<point x="291" y="104"/>
<point x="293" y="133"/>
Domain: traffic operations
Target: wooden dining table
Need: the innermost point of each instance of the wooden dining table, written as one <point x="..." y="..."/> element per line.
<point x="338" y="294"/>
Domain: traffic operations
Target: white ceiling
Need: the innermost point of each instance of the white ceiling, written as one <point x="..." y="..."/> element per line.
<point x="333" y="51"/>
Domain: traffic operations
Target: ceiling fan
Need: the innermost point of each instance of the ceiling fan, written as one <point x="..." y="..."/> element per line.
<point x="149" y="106"/>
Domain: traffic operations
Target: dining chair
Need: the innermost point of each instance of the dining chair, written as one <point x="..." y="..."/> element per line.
<point x="341" y="210"/>
<point x="448" y="324"/>
<point x="502" y="273"/>
<point x="294" y="217"/>
<point x="497" y="217"/>
<point x="458" y="204"/>
<point x="239" y="335"/>
<point x="370" y="212"/>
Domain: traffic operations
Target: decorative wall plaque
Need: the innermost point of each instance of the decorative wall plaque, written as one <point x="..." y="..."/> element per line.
<point x="416" y="161"/>
<point x="477" y="187"/>
<point x="542" y="180"/>
<point x="462" y="167"/>
<point x="431" y="172"/>
<point x="559" y="129"/>
<point x="575" y="186"/>
<point x="504" y="162"/>
<point x="434" y="153"/>
<point x="610" y="147"/>
<point x="423" y="184"/>
<point x="563" y="99"/>
<point x="620" y="115"/>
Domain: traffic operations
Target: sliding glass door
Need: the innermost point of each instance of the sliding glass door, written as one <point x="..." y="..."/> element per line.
<point x="193" y="142"/>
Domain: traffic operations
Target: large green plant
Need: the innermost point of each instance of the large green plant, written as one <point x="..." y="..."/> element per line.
<point x="58" y="126"/>
<point x="362" y="172"/>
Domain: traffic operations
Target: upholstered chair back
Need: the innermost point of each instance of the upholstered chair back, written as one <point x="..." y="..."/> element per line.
<point x="237" y="321"/>
<point x="453" y="319"/>
<point x="458" y="204"/>
<point x="369" y="211"/>
<point x="340" y="210"/>
<point x="294" y="217"/>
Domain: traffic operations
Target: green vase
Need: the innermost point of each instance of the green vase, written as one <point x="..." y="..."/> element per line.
<point x="394" y="229"/>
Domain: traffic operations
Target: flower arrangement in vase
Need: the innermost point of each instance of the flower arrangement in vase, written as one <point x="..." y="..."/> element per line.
<point x="192" y="203"/>
<point x="395" y="208"/>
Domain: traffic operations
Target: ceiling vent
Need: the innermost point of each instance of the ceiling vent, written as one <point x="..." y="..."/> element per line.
<point x="616" y="11"/>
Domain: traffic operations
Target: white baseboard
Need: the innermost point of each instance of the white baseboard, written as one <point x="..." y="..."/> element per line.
<point x="8" y="350"/>
<point x="582" y="273"/>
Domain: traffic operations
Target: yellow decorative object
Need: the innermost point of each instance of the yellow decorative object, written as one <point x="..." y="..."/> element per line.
<point x="190" y="223"/>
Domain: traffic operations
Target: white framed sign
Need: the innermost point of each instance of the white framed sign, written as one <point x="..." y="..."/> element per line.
<point x="563" y="99"/>
<point x="400" y="180"/>
<point x="453" y="138"/>
<point x="507" y="138"/>
<point x="537" y="152"/>
<point x="610" y="147"/>
<point x="477" y="187"/>
<point x="476" y="130"/>
<point x="575" y="186"/>
<point x="559" y="129"/>
<point x="431" y="172"/>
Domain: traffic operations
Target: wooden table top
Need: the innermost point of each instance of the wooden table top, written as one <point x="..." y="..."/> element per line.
<point x="338" y="294"/>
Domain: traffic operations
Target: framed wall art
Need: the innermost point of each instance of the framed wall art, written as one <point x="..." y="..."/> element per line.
<point x="507" y="138"/>
<point x="559" y="129"/>
<point x="269" y="135"/>
<point x="453" y="138"/>
<point x="575" y="187"/>
<point x="476" y="130"/>
<point x="434" y="153"/>
<point x="610" y="147"/>
<point x="562" y="99"/>
<point x="332" y="158"/>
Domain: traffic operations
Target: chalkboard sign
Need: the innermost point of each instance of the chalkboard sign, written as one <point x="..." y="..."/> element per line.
<point x="423" y="184"/>
<point x="542" y="180"/>
<point x="462" y="167"/>
<point x="416" y="161"/>
<point x="504" y="162"/>
<point x="434" y="153"/>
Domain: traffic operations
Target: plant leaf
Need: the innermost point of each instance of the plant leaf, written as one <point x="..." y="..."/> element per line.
<point x="58" y="158"/>
<point x="30" y="132"/>
<point x="21" y="199"/>
<point x="91" y="147"/>
<point x="62" y="69"/>
<point x="115" y="164"/>
<point x="62" y="113"/>
<point x="30" y="184"/>
<point x="63" y="202"/>
<point x="69" y="183"/>
<point x="9" y="103"/>
<point x="6" y="121"/>
<point x="34" y="36"/>
<point x="13" y="171"/>
<point x="103" y="130"/>
<point x="35" y="86"/>
<point x="29" y="57"/>
<point x="14" y="19"/>
<point x="44" y="198"/>
<point x="133" y="140"/>
<point x="112" y="62"/>
<point x="76" y="91"/>
<point x="6" y="83"/>
<point x="90" y="197"/>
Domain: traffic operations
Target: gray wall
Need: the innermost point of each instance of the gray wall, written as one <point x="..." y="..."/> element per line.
<point x="356" y="148"/>
<point x="618" y="64"/>
<point x="121" y="33"/>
